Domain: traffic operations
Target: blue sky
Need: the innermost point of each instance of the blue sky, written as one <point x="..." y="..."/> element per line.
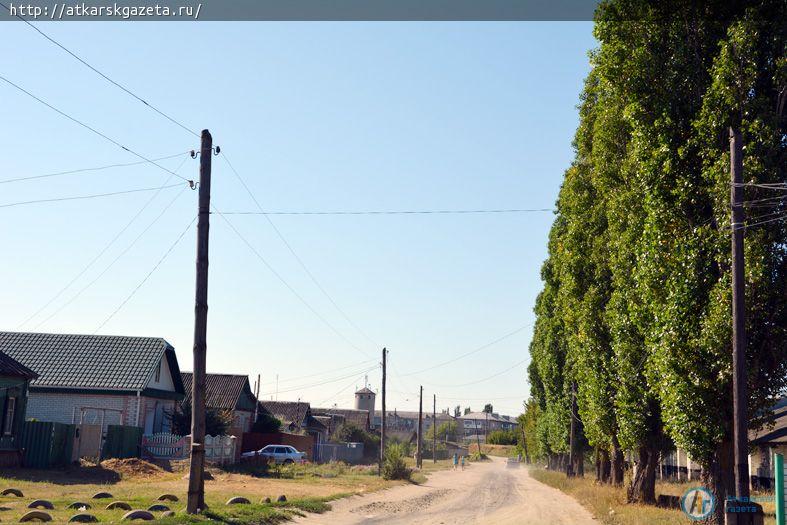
<point x="314" y="116"/>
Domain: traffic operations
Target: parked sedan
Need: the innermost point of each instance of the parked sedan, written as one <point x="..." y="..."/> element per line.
<point x="278" y="454"/>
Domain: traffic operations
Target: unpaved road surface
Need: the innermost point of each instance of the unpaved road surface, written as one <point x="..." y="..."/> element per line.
<point x="484" y="493"/>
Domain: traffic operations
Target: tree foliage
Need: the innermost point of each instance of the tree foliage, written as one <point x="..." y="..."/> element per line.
<point x="636" y="300"/>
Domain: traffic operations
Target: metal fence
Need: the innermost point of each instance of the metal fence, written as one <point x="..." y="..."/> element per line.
<point x="347" y="452"/>
<point x="46" y="444"/>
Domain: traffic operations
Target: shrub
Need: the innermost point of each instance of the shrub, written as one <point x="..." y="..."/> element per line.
<point x="478" y="456"/>
<point x="394" y="466"/>
<point x="502" y="437"/>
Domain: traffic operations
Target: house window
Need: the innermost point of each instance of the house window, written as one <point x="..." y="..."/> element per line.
<point x="8" y="420"/>
<point x="158" y="372"/>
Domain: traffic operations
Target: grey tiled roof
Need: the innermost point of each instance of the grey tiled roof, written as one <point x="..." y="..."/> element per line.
<point x="287" y="411"/>
<point x="9" y="367"/>
<point x="89" y="361"/>
<point x="221" y="390"/>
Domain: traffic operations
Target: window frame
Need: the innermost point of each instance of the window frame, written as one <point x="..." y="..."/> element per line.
<point x="9" y="413"/>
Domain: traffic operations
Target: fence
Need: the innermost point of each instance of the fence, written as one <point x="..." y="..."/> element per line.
<point x="122" y="442"/>
<point x="164" y="446"/>
<point x="46" y="444"/>
<point x="218" y="449"/>
<point x="778" y="472"/>
<point x="347" y="452"/>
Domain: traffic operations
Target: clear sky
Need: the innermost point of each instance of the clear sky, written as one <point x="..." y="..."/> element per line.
<point x="314" y="117"/>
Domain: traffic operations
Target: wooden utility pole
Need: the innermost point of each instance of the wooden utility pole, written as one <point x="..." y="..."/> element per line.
<point x="196" y="491"/>
<point x="382" y="420"/>
<point x="434" y="429"/>
<point x="256" y="399"/>
<point x="572" y="438"/>
<point x="420" y="427"/>
<point x="739" y="394"/>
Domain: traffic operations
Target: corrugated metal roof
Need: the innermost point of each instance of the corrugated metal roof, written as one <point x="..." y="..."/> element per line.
<point x="109" y="362"/>
<point x="221" y="390"/>
<point x="359" y="418"/>
<point x="10" y="367"/>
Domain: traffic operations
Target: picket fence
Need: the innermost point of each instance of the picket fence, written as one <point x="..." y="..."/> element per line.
<point x="218" y="449"/>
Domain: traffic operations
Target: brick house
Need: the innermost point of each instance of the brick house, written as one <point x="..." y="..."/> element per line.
<point x="14" y="380"/>
<point x="98" y="379"/>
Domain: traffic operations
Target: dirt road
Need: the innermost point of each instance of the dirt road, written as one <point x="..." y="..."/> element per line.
<point x="484" y="493"/>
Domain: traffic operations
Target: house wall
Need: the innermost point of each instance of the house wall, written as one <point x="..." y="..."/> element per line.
<point x="165" y="377"/>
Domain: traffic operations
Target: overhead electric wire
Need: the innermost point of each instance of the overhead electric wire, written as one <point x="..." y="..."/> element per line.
<point x="100" y="134"/>
<point x="83" y="170"/>
<point x="508" y="369"/>
<point x="334" y="396"/>
<point x="144" y="280"/>
<point x="112" y="263"/>
<point x="471" y="352"/>
<point x="104" y="76"/>
<point x="92" y="196"/>
<point x="102" y="251"/>
<point x="321" y="383"/>
<point x="288" y="286"/>
<point x="286" y="380"/>
<point x="391" y="212"/>
<point x="296" y="256"/>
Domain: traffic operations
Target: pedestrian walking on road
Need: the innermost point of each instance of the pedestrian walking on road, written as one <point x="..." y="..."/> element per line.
<point x="463" y="462"/>
<point x="456" y="460"/>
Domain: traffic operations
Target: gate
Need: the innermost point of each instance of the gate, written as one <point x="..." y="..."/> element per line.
<point x="778" y="475"/>
<point x="87" y="443"/>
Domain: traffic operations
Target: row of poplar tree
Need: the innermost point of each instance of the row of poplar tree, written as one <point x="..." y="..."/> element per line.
<point x="632" y="339"/>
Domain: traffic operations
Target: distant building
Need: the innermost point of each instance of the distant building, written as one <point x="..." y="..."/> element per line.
<point x="364" y="399"/>
<point x="338" y="416"/>
<point x="480" y="424"/>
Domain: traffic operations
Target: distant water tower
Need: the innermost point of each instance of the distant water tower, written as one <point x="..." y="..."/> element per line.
<point x="364" y="399"/>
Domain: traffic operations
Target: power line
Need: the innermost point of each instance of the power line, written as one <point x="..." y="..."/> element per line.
<point x="100" y="134"/>
<point x="334" y="396"/>
<point x="321" y="383"/>
<point x="112" y="263"/>
<point x="103" y="250"/>
<point x="92" y="196"/>
<point x="289" y="287"/>
<point x="319" y="373"/>
<point x="144" y="280"/>
<point x="82" y="170"/>
<point x="507" y="369"/>
<point x="392" y="212"/>
<point x="471" y="352"/>
<point x="105" y="77"/>
<point x="294" y="254"/>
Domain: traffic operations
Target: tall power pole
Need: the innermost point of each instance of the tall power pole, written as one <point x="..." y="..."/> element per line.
<point x="434" y="429"/>
<point x="739" y="394"/>
<point x="382" y="420"/>
<point x="196" y="491"/>
<point x="420" y="427"/>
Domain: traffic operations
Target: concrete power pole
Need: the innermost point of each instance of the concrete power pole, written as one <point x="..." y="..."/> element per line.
<point x="739" y="394"/>
<point x="420" y="427"/>
<point x="434" y="430"/>
<point x="196" y="490"/>
<point x="382" y="420"/>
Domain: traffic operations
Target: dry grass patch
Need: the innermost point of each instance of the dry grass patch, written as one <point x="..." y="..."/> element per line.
<point x="608" y="504"/>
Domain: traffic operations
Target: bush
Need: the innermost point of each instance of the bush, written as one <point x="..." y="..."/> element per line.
<point x="394" y="466"/>
<point x="502" y="437"/>
<point x="349" y="433"/>
<point x="478" y="456"/>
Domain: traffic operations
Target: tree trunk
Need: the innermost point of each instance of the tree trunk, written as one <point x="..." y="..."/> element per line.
<point x="602" y="465"/>
<point x="719" y="479"/>
<point x="643" y="483"/>
<point x="579" y="463"/>
<point x="617" y="462"/>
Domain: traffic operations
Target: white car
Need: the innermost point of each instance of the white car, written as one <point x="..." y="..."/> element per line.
<point x="278" y="453"/>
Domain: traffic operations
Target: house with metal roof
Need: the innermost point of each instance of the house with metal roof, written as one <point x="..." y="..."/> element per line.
<point x="296" y="417"/>
<point x="14" y="380"/>
<point x="229" y="392"/>
<point x="98" y="379"/>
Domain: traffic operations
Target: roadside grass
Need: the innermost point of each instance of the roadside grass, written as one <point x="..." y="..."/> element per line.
<point x="308" y="489"/>
<point x="608" y="504"/>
